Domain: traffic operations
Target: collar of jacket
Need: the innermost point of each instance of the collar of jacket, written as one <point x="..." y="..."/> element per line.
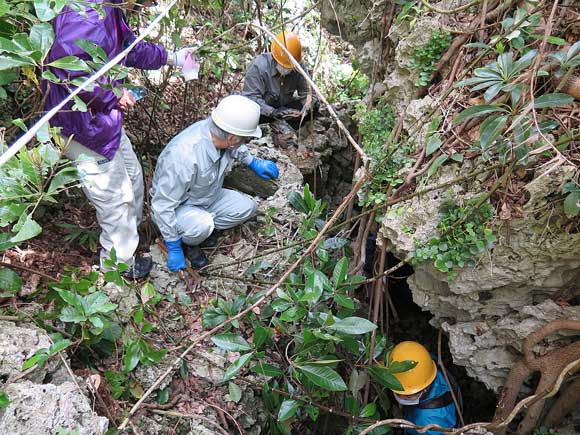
<point x="273" y="71"/>
<point x="210" y="148"/>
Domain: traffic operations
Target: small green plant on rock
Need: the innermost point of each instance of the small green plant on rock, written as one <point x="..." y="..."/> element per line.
<point x="463" y="234"/>
<point x="387" y="158"/>
<point x="423" y="59"/>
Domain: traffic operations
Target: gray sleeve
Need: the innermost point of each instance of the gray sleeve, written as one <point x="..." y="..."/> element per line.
<point x="303" y="86"/>
<point x="170" y="187"/>
<point x="255" y="88"/>
<point x="243" y="155"/>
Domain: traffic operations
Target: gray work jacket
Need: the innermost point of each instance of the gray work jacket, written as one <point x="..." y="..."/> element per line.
<point x="190" y="169"/>
<point x="264" y="84"/>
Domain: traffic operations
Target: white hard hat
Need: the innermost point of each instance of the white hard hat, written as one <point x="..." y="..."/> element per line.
<point x="238" y="115"/>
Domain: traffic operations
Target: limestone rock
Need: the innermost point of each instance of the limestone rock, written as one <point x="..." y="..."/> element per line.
<point x="125" y="297"/>
<point x="488" y="310"/>
<point x="17" y="344"/>
<point x="41" y="409"/>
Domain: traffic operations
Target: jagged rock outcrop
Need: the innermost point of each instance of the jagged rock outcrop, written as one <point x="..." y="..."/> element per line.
<point x="38" y="408"/>
<point x="488" y="310"/>
<point x="17" y="344"/>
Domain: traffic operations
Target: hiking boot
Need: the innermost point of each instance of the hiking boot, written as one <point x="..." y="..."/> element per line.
<point x="212" y="240"/>
<point x="195" y="255"/>
<point x="140" y="269"/>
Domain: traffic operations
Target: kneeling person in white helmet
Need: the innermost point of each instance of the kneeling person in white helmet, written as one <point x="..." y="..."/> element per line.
<point x="187" y="198"/>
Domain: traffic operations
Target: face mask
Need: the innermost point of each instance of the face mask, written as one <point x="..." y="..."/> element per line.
<point x="283" y="71"/>
<point x="407" y="402"/>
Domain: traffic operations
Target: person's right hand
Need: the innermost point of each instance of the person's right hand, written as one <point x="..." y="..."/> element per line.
<point x="285" y="113"/>
<point x="175" y="256"/>
<point x="126" y="101"/>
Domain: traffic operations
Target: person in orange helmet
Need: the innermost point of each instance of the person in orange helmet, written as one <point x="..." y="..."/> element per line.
<point x="272" y="82"/>
<point x="425" y="395"/>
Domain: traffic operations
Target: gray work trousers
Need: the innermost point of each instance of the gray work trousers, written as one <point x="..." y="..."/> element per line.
<point x="115" y="188"/>
<point x="230" y="208"/>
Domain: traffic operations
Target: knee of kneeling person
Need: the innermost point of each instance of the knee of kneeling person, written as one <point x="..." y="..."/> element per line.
<point x="249" y="210"/>
<point x="198" y="230"/>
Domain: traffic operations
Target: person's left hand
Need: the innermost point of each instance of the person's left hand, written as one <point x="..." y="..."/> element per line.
<point x="178" y="57"/>
<point x="127" y="100"/>
<point x="266" y="169"/>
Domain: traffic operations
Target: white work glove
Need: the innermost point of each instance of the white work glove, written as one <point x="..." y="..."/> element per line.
<point x="177" y="58"/>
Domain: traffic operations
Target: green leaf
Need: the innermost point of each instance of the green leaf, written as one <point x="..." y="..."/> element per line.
<point x="10" y="281"/>
<point x="79" y="104"/>
<point x="267" y="370"/>
<point x="340" y="271"/>
<point x="261" y="336"/>
<point x="235" y="392"/>
<point x="433" y="144"/>
<point x="61" y="179"/>
<point x="296" y="201"/>
<point x="131" y="357"/>
<point x="20" y="124"/>
<point x="436" y="164"/>
<point x="163" y="396"/>
<point x="556" y="99"/>
<point x="475" y="111"/>
<point x="72" y="315"/>
<point x="353" y="326"/>
<point x="71" y="63"/>
<point x="29" y="230"/>
<point x="43" y="10"/>
<point x="324" y="377"/>
<point x="231" y="342"/>
<point x="369" y="410"/>
<point x="236" y="366"/>
<point x="491" y="129"/>
<point x="344" y="301"/>
<point x="39" y="358"/>
<point x="288" y="409"/>
<point x="59" y="346"/>
<point x="401" y="366"/>
<point x="10" y="61"/>
<point x="314" y="287"/>
<point x="4" y="400"/>
<point x="385" y="378"/>
<point x="97" y="322"/>
<point x="293" y="314"/>
<point x="98" y="302"/>
<point x="7" y="77"/>
<point x="572" y="205"/>
<point x="42" y="37"/>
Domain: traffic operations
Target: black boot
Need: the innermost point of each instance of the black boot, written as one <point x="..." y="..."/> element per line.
<point x="195" y="255"/>
<point x="140" y="269"/>
<point x="212" y="240"/>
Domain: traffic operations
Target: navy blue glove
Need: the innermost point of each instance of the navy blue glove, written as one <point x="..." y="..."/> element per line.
<point x="266" y="169"/>
<point x="175" y="257"/>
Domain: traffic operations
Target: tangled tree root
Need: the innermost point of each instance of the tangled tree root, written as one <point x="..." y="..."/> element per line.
<point x="550" y="367"/>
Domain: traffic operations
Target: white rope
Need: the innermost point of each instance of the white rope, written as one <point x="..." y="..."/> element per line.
<point x="30" y="133"/>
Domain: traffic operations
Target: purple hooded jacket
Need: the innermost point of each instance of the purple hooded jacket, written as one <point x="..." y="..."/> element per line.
<point x="99" y="128"/>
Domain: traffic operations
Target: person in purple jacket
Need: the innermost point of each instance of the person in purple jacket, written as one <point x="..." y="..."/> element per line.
<point x="110" y="172"/>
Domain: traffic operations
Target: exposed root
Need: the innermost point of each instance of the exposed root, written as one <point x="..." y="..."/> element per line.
<point x="550" y="366"/>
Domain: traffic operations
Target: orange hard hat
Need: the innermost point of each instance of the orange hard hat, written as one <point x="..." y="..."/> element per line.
<point x="420" y="376"/>
<point x="292" y="43"/>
